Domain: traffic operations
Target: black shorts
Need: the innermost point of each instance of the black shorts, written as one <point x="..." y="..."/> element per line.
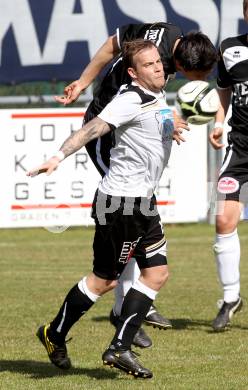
<point x="233" y="179"/>
<point x="130" y="230"/>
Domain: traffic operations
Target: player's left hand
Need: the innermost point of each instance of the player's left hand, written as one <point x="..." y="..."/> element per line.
<point x="215" y="138"/>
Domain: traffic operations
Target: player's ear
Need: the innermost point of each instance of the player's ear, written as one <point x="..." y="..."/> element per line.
<point x="178" y="66"/>
<point x="132" y="73"/>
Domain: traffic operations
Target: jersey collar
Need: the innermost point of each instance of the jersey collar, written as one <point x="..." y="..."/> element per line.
<point x="147" y="91"/>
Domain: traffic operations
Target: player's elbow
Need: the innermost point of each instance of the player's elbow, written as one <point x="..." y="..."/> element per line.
<point x="112" y="44"/>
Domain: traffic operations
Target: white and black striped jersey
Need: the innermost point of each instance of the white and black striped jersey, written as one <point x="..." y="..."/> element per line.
<point x="164" y="35"/>
<point x="143" y="140"/>
<point x="233" y="72"/>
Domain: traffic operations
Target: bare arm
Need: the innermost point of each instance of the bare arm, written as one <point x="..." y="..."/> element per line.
<point x="103" y="56"/>
<point x="93" y="129"/>
<point x="216" y="134"/>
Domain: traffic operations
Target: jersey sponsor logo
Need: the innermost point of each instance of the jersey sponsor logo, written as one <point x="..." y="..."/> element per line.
<point x="236" y="54"/>
<point x="127" y="250"/>
<point x="166" y="126"/>
<point x="228" y="185"/>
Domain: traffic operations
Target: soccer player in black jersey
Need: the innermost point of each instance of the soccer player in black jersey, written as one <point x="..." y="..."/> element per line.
<point x="193" y="55"/>
<point x="232" y="189"/>
<point x="124" y="208"/>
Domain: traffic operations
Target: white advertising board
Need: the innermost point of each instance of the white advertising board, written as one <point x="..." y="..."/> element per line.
<point x="29" y="136"/>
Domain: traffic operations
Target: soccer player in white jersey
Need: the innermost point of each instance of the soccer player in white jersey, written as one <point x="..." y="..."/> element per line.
<point x="232" y="189"/>
<point x="193" y="55"/>
<point x="124" y="209"/>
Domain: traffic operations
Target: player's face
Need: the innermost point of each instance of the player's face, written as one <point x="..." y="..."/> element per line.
<point x="148" y="71"/>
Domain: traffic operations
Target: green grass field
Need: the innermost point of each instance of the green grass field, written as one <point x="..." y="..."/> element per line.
<point x="38" y="268"/>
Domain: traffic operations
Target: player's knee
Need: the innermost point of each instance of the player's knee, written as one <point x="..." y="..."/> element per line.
<point x="160" y="281"/>
<point x="164" y="276"/>
<point x="155" y="277"/>
<point x="225" y="224"/>
<point x="102" y="286"/>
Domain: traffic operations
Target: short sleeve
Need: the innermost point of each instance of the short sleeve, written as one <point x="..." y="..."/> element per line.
<point x="223" y="78"/>
<point x="122" y="109"/>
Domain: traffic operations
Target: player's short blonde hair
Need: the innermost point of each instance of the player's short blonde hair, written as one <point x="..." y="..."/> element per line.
<point x="130" y="49"/>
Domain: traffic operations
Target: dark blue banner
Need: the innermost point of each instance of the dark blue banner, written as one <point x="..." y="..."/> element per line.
<point x="55" y="39"/>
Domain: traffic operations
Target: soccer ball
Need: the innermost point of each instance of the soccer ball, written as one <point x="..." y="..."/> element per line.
<point x="197" y="102"/>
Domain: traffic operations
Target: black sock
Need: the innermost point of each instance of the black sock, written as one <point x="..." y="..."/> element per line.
<point x="134" y="309"/>
<point x="75" y="305"/>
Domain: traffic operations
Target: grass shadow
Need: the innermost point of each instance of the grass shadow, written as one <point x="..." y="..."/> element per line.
<point x="191" y="324"/>
<point x="188" y="323"/>
<point x="41" y="370"/>
<point x="101" y="318"/>
<point x="185" y="324"/>
<point x="177" y="323"/>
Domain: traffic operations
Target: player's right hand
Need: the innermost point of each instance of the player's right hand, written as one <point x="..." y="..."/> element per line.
<point x="47" y="167"/>
<point x="71" y="93"/>
<point x="215" y="138"/>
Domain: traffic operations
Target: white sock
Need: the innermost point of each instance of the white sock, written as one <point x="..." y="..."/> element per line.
<point x="227" y="253"/>
<point x="141" y="287"/>
<point x="130" y="274"/>
<point x="82" y="285"/>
